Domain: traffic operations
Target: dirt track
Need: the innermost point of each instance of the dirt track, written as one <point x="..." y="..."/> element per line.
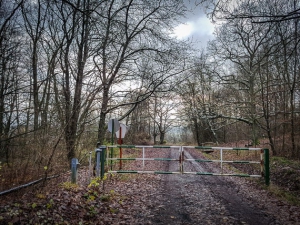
<point x="139" y="199"/>
<point x="194" y="199"/>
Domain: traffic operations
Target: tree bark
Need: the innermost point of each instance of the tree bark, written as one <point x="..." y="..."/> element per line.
<point x="101" y="126"/>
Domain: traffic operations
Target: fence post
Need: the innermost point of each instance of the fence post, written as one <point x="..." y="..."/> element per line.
<point x="181" y="159"/>
<point x="267" y="166"/>
<point x="74" y="167"/>
<point x="103" y="148"/>
<point x="100" y="161"/>
<point x="98" y="156"/>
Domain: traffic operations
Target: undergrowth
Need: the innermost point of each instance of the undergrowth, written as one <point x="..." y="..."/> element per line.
<point x="283" y="194"/>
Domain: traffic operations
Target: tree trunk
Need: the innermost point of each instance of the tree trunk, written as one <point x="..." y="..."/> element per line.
<point x="197" y="133"/>
<point x="162" y="137"/>
<point x="35" y="89"/>
<point x="101" y="127"/>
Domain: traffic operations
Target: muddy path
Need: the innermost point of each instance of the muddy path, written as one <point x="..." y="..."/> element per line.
<point x="194" y="199"/>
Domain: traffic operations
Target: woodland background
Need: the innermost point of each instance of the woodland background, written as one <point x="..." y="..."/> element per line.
<point x="68" y="66"/>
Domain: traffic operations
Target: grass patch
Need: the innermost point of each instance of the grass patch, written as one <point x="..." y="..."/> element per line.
<point x="284" y="195"/>
<point x="281" y="161"/>
<point x="69" y="186"/>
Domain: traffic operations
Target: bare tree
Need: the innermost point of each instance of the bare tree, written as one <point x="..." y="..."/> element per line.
<point x="260" y="38"/>
<point x="131" y="33"/>
<point x="162" y="114"/>
<point x="80" y="57"/>
<point x="227" y="10"/>
<point x="197" y="93"/>
<point x="10" y="82"/>
<point x="34" y="15"/>
<point x="241" y="42"/>
<point x="70" y="55"/>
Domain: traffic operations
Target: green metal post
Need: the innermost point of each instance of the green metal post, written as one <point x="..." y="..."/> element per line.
<point x="112" y="142"/>
<point x="103" y="148"/>
<point x="267" y="166"/>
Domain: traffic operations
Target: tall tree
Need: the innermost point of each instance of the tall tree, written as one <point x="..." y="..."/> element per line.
<point x="241" y="42"/>
<point x="131" y="33"/>
<point x="197" y="91"/>
<point x="162" y="114"/>
<point x="10" y="81"/>
<point x="73" y="57"/>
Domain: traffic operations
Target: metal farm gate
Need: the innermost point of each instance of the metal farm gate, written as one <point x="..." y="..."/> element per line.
<point x="107" y="155"/>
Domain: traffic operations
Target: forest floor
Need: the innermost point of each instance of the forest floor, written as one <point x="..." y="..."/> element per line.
<point x="162" y="199"/>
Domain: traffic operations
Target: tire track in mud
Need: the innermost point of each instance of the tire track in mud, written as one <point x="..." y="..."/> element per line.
<point x="195" y="199"/>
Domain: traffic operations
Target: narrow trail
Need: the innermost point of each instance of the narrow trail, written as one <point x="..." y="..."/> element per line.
<point x="192" y="199"/>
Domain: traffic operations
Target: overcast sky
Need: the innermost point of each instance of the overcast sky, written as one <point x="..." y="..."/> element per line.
<point x="196" y="25"/>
